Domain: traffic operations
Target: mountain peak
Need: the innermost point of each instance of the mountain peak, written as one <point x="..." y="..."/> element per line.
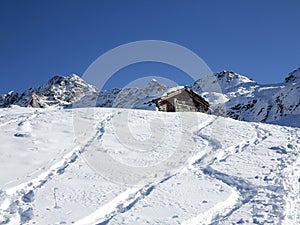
<point x="222" y="82"/>
<point x="153" y="82"/>
<point x="230" y="76"/>
<point x="63" y="80"/>
<point x="154" y="87"/>
<point x="74" y="76"/>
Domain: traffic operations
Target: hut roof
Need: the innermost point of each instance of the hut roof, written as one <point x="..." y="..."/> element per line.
<point x="177" y="90"/>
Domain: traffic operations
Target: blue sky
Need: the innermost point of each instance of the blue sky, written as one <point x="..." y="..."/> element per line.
<point x="39" y="39"/>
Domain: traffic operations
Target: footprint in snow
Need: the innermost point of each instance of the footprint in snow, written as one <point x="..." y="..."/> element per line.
<point x="26" y="134"/>
<point x="24" y="129"/>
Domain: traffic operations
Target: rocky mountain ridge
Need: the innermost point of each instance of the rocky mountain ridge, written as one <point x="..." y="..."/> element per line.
<point x="243" y="99"/>
<point x="58" y="91"/>
<point x="230" y="94"/>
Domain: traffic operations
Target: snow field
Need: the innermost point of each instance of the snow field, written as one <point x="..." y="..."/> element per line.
<point x="188" y="168"/>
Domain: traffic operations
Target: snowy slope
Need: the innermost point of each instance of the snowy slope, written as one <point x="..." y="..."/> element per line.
<point x="225" y="171"/>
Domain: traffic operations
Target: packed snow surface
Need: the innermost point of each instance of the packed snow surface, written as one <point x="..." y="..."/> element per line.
<point x="163" y="168"/>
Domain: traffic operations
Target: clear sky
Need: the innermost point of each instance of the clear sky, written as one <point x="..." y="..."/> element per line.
<point x="38" y="39"/>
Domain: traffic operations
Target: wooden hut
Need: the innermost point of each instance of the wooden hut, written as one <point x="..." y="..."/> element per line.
<point x="181" y="99"/>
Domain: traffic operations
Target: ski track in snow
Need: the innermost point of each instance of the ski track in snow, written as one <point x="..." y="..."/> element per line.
<point x="12" y="209"/>
<point x="287" y="183"/>
<point x="242" y="191"/>
<point x="120" y="204"/>
<point x="284" y="209"/>
<point x="126" y="200"/>
<point x="20" y="119"/>
<point x="291" y="184"/>
<point x="203" y="160"/>
<point x="209" y="157"/>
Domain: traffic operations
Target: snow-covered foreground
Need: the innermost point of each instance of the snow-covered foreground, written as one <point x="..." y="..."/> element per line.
<point x="117" y="166"/>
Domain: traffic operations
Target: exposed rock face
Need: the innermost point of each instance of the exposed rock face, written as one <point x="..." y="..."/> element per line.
<point x="36" y="101"/>
<point x="241" y="98"/>
<point x="59" y="91"/>
<point x="267" y="103"/>
<point x="293" y="76"/>
<point x="8" y="99"/>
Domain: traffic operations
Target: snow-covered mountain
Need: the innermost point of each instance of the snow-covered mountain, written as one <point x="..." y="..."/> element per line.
<point x="72" y="91"/>
<point x="241" y="98"/>
<point x="83" y="166"/>
<point x="229" y="94"/>
<point x="132" y="98"/>
<point x="58" y="91"/>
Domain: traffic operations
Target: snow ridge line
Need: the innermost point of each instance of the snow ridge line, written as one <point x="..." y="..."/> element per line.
<point x="24" y="193"/>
